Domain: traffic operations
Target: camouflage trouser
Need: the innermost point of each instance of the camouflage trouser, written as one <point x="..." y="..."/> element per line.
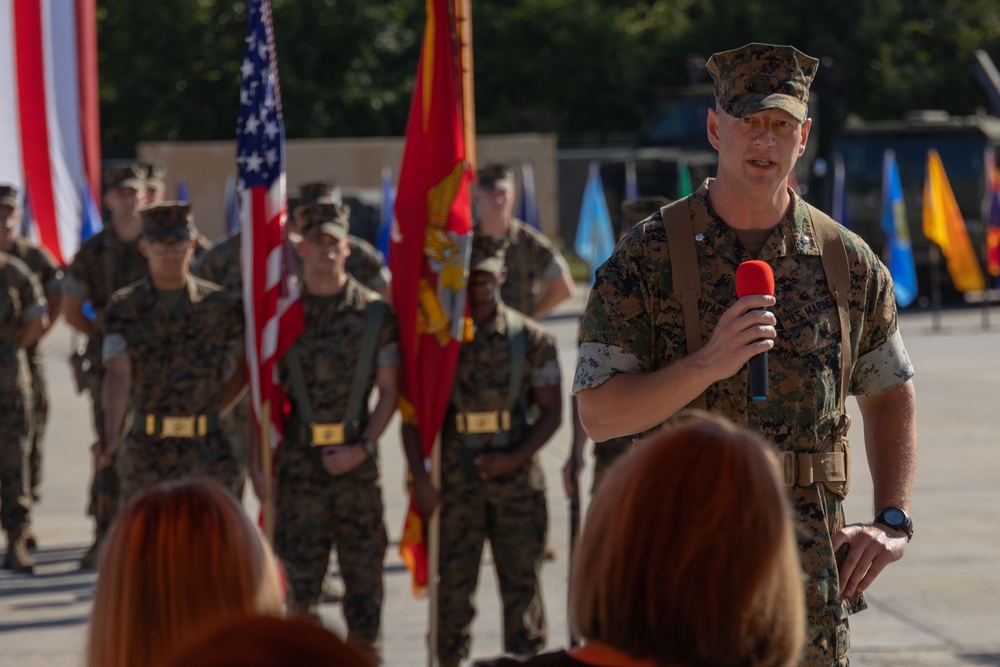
<point x="315" y="511"/>
<point x="827" y="633"/>
<point x="15" y="436"/>
<point x="146" y="460"/>
<point x="235" y="425"/>
<point x="39" y="418"/>
<point x="606" y="453"/>
<point x="105" y="487"/>
<point x="512" y="514"/>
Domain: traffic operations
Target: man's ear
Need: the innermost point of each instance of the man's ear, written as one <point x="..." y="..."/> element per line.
<point x="712" y="128"/>
<point x="144" y="247"/>
<point x="502" y="278"/>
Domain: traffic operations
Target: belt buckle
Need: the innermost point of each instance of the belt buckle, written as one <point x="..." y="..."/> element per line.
<point x="482" y="422"/>
<point x="324" y="435"/>
<point x="177" y="427"/>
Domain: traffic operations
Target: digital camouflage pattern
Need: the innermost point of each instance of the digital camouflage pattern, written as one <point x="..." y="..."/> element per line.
<point x="21" y="302"/>
<point x="635" y="211"/>
<point x="220" y="264"/>
<point x="49" y="274"/>
<point x="169" y="219"/>
<point x="181" y="357"/>
<point x="315" y="510"/>
<point x="532" y="263"/>
<point x="509" y="511"/>
<point x="763" y="76"/>
<point x="103" y="264"/>
<point x="633" y="323"/>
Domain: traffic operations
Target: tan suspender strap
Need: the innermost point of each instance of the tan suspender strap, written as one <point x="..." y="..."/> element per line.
<point x="838" y="277"/>
<point x="686" y="276"/>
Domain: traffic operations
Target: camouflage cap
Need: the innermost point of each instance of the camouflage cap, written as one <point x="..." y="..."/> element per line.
<point x="133" y="176"/>
<point x="169" y="219"/>
<point x="155" y="175"/>
<point x="496" y="176"/>
<point x="487" y="253"/>
<point x="763" y="76"/>
<point x="635" y="211"/>
<point x="8" y="196"/>
<point x="318" y="191"/>
<point x="324" y="218"/>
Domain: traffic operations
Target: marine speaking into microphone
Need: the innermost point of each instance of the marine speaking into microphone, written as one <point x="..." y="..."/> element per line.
<point x="755" y="277"/>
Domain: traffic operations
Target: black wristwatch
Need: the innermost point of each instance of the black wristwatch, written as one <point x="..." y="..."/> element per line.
<point x="897" y="519"/>
<point x="368" y="446"/>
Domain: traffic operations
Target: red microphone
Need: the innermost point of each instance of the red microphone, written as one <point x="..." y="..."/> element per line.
<point x="755" y="277"/>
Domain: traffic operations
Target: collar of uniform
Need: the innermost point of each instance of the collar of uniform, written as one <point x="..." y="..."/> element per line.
<point x="516" y="231"/>
<point x="190" y="285"/>
<point x="794" y="234"/>
<point x="342" y="300"/>
<point x="496" y="324"/>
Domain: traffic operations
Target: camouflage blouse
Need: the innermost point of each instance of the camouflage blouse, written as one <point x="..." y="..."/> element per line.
<point x="329" y="346"/>
<point x="103" y="265"/>
<point x="21" y="302"/>
<point x="532" y="263"/>
<point x="633" y="322"/>
<point x="179" y="354"/>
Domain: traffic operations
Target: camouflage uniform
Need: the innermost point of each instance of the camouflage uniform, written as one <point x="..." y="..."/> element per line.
<point x="21" y="302"/>
<point x="634" y="324"/>
<point x="532" y="262"/>
<point x="314" y="509"/>
<point x="181" y="348"/>
<point x="178" y="368"/>
<point x="49" y="274"/>
<point x="220" y="264"/>
<point x="103" y="264"/>
<point x="510" y="511"/>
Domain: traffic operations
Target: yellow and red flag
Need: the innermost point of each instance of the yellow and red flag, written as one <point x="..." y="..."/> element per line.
<point x="429" y="252"/>
<point x="991" y="213"/>
<point x="944" y="225"/>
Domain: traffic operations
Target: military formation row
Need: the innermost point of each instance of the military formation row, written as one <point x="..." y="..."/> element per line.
<point x="163" y="365"/>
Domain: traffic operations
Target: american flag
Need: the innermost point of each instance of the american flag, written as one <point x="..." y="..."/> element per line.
<point x="270" y="294"/>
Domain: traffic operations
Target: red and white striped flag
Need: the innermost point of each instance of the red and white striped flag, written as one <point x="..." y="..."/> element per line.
<point x="270" y="293"/>
<point x="49" y="115"/>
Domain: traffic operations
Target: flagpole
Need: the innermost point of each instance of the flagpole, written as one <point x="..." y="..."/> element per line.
<point x="434" y="556"/>
<point x="267" y="505"/>
<point x="463" y="25"/>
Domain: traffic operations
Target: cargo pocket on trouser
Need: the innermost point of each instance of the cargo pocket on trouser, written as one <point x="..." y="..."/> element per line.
<point x="827" y="641"/>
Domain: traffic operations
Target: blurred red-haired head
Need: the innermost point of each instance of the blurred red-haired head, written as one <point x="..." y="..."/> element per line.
<point x="688" y="554"/>
<point x="182" y="558"/>
<point x="264" y="641"/>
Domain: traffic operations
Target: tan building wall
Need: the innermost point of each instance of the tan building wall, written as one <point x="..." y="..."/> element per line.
<point x="355" y="164"/>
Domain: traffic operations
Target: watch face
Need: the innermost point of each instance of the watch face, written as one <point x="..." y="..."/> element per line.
<point x="894" y="517"/>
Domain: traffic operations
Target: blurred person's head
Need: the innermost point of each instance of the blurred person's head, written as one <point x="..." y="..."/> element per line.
<point x="10" y="216"/>
<point x="167" y="242"/>
<point x="182" y="559"/>
<point x="494" y="193"/>
<point x="124" y="193"/>
<point x="688" y="555"/>
<point x="266" y="641"/>
<point x="156" y="184"/>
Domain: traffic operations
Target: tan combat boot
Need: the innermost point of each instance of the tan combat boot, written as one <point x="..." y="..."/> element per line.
<point x="17" y="557"/>
<point x="30" y="540"/>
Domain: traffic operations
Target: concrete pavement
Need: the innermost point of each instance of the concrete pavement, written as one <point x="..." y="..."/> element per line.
<point x="939" y="606"/>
